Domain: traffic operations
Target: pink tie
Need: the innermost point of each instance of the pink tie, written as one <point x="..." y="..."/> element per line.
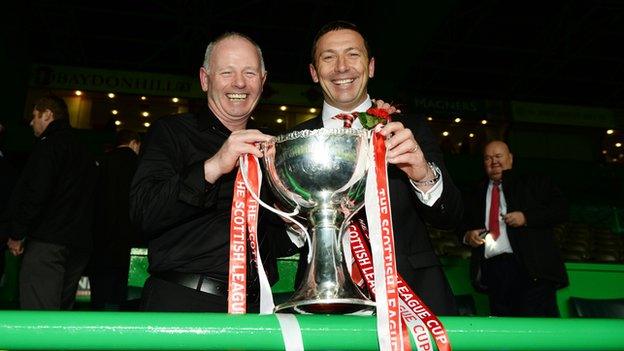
<point x="494" y="212"/>
<point x="347" y="119"/>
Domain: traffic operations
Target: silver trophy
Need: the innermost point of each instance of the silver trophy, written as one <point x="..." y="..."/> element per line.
<point x="322" y="175"/>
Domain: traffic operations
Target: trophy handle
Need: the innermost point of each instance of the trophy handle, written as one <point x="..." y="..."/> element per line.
<point x="290" y="216"/>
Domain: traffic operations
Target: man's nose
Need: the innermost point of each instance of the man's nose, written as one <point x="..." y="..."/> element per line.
<point x="341" y="64"/>
<point x="239" y="81"/>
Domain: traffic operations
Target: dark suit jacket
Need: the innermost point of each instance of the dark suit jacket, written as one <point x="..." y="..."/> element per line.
<point x="416" y="260"/>
<point x="114" y="235"/>
<point x="534" y="245"/>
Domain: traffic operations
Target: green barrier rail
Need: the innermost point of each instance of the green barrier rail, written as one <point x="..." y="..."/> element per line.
<point x="45" y="330"/>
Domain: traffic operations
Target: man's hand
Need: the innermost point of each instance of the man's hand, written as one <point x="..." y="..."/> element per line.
<point x="238" y="143"/>
<point x="515" y="219"/>
<point x="16" y="247"/>
<point x="385" y="106"/>
<point x="404" y="151"/>
<point x="473" y="239"/>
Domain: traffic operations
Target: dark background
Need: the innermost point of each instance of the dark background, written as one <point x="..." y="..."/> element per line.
<point x="550" y="51"/>
<point x="558" y="52"/>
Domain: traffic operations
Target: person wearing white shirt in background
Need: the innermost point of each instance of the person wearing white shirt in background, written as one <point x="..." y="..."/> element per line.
<point x="515" y="259"/>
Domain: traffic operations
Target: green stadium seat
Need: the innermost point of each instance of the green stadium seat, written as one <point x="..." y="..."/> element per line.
<point x="597" y="308"/>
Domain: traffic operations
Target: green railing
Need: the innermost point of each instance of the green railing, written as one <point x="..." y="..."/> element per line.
<point x="41" y="330"/>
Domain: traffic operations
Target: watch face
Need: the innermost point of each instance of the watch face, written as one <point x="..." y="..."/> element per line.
<point x="436" y="176"/>
<point x="435" y="169"/>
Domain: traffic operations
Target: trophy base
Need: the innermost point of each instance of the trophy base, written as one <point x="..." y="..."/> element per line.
<point x="329" y="306"/>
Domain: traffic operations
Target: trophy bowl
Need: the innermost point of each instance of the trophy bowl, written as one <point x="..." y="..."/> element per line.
<point x="322" y="173"/>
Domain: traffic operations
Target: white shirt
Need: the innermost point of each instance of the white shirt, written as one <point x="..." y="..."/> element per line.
<point x="429" y="197"/>
<point x="500" y="245"/>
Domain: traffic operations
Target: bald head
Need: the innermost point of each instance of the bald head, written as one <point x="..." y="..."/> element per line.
<point x="496" y="159"/>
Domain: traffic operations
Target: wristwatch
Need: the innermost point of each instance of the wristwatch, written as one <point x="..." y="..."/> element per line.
<point x="436" y="175"/>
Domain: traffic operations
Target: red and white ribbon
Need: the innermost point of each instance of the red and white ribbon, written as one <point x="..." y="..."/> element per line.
<point x="252" y="177"/>
<point x="237" y="276"/>
<point x="243" y="229"/>
<point x="377" y="200"/>
<point x="417" y="316"/>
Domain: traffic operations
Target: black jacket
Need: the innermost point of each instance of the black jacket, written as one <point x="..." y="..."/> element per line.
<point x="185" y="219"/>
<point x="534" y="245"/>
<point x="114" y="235"/>
<point x="8" y="178"/>
<point x="53" y="200"/>
<point x="414" y="250"/>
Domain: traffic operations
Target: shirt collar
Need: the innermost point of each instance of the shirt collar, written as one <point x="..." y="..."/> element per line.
<point x="330" y="111"/>
<point x="492" y="183"/>
<point x="206" y="119"/>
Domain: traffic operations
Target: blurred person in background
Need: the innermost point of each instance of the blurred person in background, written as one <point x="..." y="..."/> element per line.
<point x="52" y="211"/>
<point x="114" y="235"/>
<point x="509" y="223"/>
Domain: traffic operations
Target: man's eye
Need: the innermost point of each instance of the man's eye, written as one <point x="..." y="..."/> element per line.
<point x="327" y="57"/>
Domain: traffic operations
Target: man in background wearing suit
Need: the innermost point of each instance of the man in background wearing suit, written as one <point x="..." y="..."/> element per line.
<point x="421" y="191"/>
<point x="114" y="235"/>
<point x="516" y="260"/>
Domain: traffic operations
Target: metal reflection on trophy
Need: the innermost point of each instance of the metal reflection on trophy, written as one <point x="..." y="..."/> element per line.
<point x="322" y="172"/>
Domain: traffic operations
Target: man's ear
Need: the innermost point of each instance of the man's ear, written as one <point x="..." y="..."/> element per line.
<point x="47" y="115"/>
<point x="135" y="145"/>
<point x="371" y="68"/>
<point x="313" y="73"/>
<point x="203" y="78"/>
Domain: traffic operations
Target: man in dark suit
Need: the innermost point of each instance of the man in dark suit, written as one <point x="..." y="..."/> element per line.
<point x="516" y="260"/>
<point x="114" y="235"/>
<point x="421" y="191"/>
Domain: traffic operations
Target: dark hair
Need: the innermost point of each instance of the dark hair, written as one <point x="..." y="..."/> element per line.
<point x="54" y="104"/>
<point x="125" y="136"/>
<point x="338" y="25"/>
